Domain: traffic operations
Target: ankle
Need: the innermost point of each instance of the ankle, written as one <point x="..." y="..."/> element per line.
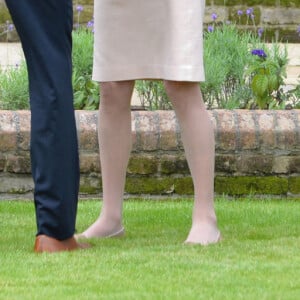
<point x="109" y="218"/>
<point x="209" y="218"/>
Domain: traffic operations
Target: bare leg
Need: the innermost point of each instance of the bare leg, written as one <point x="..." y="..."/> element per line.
<point x="198" y="140"/>
<point x="115" y="146"/>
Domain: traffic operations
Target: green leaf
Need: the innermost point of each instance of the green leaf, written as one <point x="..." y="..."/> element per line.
<point x="262" y="102"/>
<point x="260" y="85"/>
<point x="273" y="83"/>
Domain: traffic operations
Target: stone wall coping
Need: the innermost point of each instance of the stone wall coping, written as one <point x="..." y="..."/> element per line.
<point x="238" y="130"/>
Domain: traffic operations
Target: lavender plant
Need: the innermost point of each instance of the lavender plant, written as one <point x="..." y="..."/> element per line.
<point x="14" y="82"/>
<point x="226" y="53"/>
<point x="14" y="92"/>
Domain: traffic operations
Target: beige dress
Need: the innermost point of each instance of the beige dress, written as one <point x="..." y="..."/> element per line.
<point x="140" y="39"/>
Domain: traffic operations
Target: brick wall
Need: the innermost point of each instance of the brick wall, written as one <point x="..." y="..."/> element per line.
<point x="257" y="152"/>
<point x="279" y="18"/>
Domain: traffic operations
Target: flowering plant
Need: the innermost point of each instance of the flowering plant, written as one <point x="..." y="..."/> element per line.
<point x="226" y="57"/>
<point x="267" y="73"/>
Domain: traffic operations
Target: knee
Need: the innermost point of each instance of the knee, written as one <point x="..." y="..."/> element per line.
<point x="180" y="89"/>
<point x="178" y="92"/>
<point x="115" y="95"/>
<point x="184" y="95"/>
<point x="109" y="91"/>
<point x="174" y="88"/>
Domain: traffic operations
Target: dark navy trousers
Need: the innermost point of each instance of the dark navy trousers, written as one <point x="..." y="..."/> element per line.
<point x="45" y="28"/>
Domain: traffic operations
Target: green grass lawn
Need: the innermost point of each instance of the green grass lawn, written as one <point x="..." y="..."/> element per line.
<point x="259" y="257"/>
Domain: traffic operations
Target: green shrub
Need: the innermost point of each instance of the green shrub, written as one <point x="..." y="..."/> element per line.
<point x="14" y="82"/>
<point x="14" y="88"/>
<point x="86" y="91"/>
<point x="226" y="53"/>
<point x="82" y="54"/>
<point x="267" y="73"/>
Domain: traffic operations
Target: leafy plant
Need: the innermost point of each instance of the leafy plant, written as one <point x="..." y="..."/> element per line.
<point x="86" y="91"/>
<point x="267" y="73"/>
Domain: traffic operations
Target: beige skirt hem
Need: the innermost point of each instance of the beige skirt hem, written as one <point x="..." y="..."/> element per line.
<point x="186" y="74"/>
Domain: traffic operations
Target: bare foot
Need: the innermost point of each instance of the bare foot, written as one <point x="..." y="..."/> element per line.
<point x="102" y="229"/>
<point x="203" y="233"/>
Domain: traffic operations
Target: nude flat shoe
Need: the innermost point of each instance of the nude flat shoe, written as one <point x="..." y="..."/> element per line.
<point x="119" y="233"/>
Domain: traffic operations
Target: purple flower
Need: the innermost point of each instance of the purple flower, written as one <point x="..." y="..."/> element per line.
<point x="214" y="16"/>
<point x="239" y="12"/>
<point x="79" y="8"/>
<point x="90" y="24"/>
<point x="249" y="11"/>
<point x="10" y="27"/>
<point x="210" y="28"/>
<point x="260" y="31"/>
<point x="259" y="52"/>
